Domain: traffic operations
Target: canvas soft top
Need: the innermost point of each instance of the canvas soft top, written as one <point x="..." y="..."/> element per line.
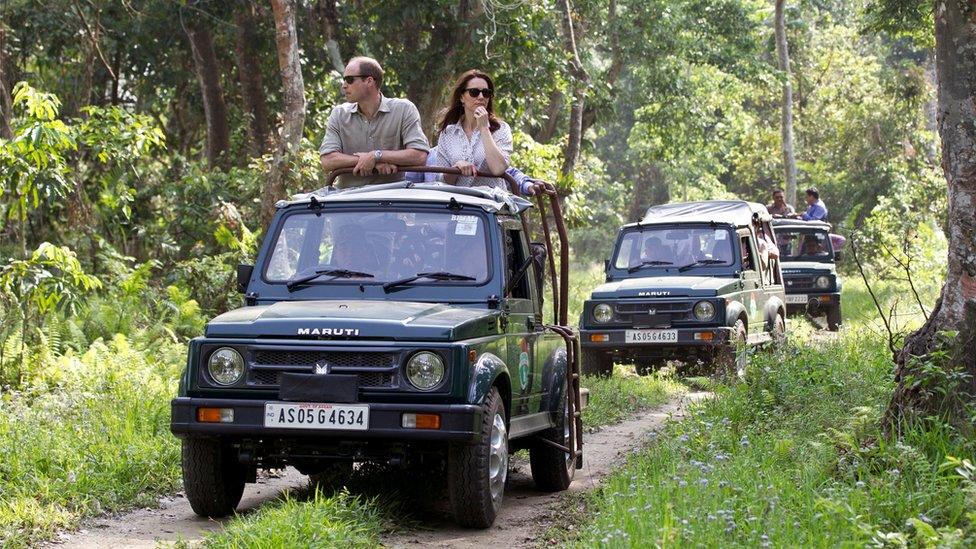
<point x="801" y="224"/>
<point x="487" y="198"/>
<point x="732" y="212"/>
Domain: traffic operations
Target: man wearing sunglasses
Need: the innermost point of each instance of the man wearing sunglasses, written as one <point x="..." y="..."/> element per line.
<point x="371" y="133"/>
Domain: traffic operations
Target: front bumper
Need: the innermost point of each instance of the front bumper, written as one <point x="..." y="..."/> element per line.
<point x="459" y="422"/>
<point x="815" y="304"/>
<point x="616" y="338"/>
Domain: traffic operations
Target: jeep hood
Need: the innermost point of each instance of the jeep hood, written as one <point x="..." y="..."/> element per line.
<point x="666" y="286"/>
<point x="355" y="319"/>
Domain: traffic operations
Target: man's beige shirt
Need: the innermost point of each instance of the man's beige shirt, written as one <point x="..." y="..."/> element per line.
<point x="395" y="127"/>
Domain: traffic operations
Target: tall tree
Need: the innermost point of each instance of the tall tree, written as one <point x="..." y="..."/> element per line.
<point x="955" y="47"/>
<point x="249" y="76"/>
<point x="5" y="106"/>
<point x="293" y="117"/>
<point x="580" y="81"/>
<point x="208" y="74"/>
<point x="783" y="53"/>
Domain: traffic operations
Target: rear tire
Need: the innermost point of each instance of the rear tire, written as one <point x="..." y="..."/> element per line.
<point x="833" y="318"/>
<point x="553" y="469"/>
<point x="476" y="472"/>
<point x="596" y="363"/>
<point x="213" y="479"/>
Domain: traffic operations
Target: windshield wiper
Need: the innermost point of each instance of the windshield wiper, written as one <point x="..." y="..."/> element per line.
<point x="438" y="275"/>
<point x="684" y="268"/>
<point x="334" y="273"/>
<point x="643" y="264"/>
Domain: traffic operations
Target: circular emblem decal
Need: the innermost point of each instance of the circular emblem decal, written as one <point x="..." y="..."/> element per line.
<point x="524" y="369"/>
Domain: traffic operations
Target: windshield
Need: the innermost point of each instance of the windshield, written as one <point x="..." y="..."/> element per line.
<point x="660" y="248"/>
<point x="385" y="245"/>
<point x="803" y="245"/>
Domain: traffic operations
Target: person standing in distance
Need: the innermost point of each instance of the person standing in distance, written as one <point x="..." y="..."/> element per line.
<point x="371" y="133"/>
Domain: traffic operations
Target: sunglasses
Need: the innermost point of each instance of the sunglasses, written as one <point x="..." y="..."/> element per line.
<point x="475" y="92"/>
<point x="352" y="77"/>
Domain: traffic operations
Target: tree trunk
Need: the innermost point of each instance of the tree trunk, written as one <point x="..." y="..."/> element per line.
<point x="252" y="85"/>
<point x="580" y="80"/>
<point x="955" y="50"/>
<point x="293" y="119"/>
<point x="783" y="52"/>
<point x="208" y="74"/>
<point x="650" y="189"/>
<point x="5" y="101"/>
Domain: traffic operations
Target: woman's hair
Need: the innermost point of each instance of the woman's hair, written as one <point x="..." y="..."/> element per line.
<point x="455" y="110"/>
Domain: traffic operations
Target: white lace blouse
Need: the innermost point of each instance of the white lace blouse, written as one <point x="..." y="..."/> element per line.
<point x="453" y="146"/>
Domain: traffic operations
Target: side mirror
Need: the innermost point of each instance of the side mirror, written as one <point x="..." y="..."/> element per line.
<point x="243" y="277"/>
<point x="838" y="256"/>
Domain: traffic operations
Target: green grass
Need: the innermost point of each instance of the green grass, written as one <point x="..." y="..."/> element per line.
<point x="625" y="393"/>
<point x="92" y="437"/>
<point x="794" y="457"/>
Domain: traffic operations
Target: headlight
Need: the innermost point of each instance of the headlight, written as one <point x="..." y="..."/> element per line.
<point x="425" y="370"/>
<point x="226" y="366"/>
<point x="704" y="310"/>
<point x="823" y="282"/>
<point x="602" y="313"/>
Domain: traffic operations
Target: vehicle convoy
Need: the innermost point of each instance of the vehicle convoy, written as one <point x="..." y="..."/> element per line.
<point x="688" y="282"/>
<point x="398" y="323"/>
<point x="809" y="269"/>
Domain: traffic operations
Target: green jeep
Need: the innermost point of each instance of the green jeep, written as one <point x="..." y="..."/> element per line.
<point x="688" y="283"/>
<point x="393" y="323"/>
<point x="809" y="269"/>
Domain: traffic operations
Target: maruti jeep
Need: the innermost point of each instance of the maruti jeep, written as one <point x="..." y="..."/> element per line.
<point x="688" y="282"/>
<point x="809" y="269"/>
<point x="394" y="323"/>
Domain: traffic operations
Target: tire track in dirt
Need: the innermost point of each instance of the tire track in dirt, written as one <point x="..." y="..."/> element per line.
<point x="521" y="521"/>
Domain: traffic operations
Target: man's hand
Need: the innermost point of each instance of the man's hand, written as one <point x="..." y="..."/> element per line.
<point x="538" y="187"/>
<point x="386" y="168"/>
<point x="466" y="168"/>
<point x="481" y="118"/>
<point x="366" y="164"/>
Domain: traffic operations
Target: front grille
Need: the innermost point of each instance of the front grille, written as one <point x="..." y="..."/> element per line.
<point x="375" y="370"/>
<point x="663" y="312"/>
<point x="799" y="283"/>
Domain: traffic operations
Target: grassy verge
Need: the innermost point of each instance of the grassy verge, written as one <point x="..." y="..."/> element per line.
<point x="793" y="457"/>
<point x="92" y="435"/>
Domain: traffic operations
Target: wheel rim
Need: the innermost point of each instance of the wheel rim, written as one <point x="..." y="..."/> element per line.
<point x="498" y="458"/>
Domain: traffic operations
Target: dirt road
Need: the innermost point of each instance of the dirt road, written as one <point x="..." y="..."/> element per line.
<point x="524" y="515"/>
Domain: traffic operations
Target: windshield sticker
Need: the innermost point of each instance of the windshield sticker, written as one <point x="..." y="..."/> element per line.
<point x="720" y="234"/>
<point x="467" y="227"/>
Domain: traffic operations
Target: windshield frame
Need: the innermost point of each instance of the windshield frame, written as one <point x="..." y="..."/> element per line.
<point x="268" y="250"/>
<point x="730" y="268"/>
<point x="824" y="258"/>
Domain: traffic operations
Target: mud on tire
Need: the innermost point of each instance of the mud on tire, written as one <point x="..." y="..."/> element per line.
<point x="213" y="479"/>
<point x="476" y="496"/>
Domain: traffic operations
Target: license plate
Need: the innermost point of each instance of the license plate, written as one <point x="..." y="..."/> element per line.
<point x="796" y="299"/>
<point x="651" y="336"/>
<point x="315" y="415"/>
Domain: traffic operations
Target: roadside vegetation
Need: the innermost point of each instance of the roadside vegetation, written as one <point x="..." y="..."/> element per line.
<point x="794" y="456"/>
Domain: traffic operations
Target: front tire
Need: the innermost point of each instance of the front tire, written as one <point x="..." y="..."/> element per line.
<point x="833" y="318"/>
<point x="553" y="469"/>
<point x="596" y="363"/>
<point x="477" y="471"/>
<point x="731" y="360"/>
<point x="213" y="479"/>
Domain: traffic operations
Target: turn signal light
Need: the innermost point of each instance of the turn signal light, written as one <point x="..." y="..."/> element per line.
<point x="824" y="298"/>
<point x="215" y="415"/>
<point x="421" y="421"/>
<point x="705" y="336"/>
<point x="600" y="337"/>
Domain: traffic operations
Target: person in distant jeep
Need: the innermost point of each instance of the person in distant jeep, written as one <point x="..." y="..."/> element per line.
<point x="779" y="207"/>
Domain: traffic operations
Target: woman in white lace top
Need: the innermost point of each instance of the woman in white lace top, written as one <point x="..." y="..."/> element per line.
<point x="471" y="138"/>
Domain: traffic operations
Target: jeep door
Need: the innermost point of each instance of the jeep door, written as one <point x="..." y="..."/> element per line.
<point x="753" y="297"/>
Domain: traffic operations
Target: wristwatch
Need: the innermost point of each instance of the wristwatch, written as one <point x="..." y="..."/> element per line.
<point x="377" y="154"/>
